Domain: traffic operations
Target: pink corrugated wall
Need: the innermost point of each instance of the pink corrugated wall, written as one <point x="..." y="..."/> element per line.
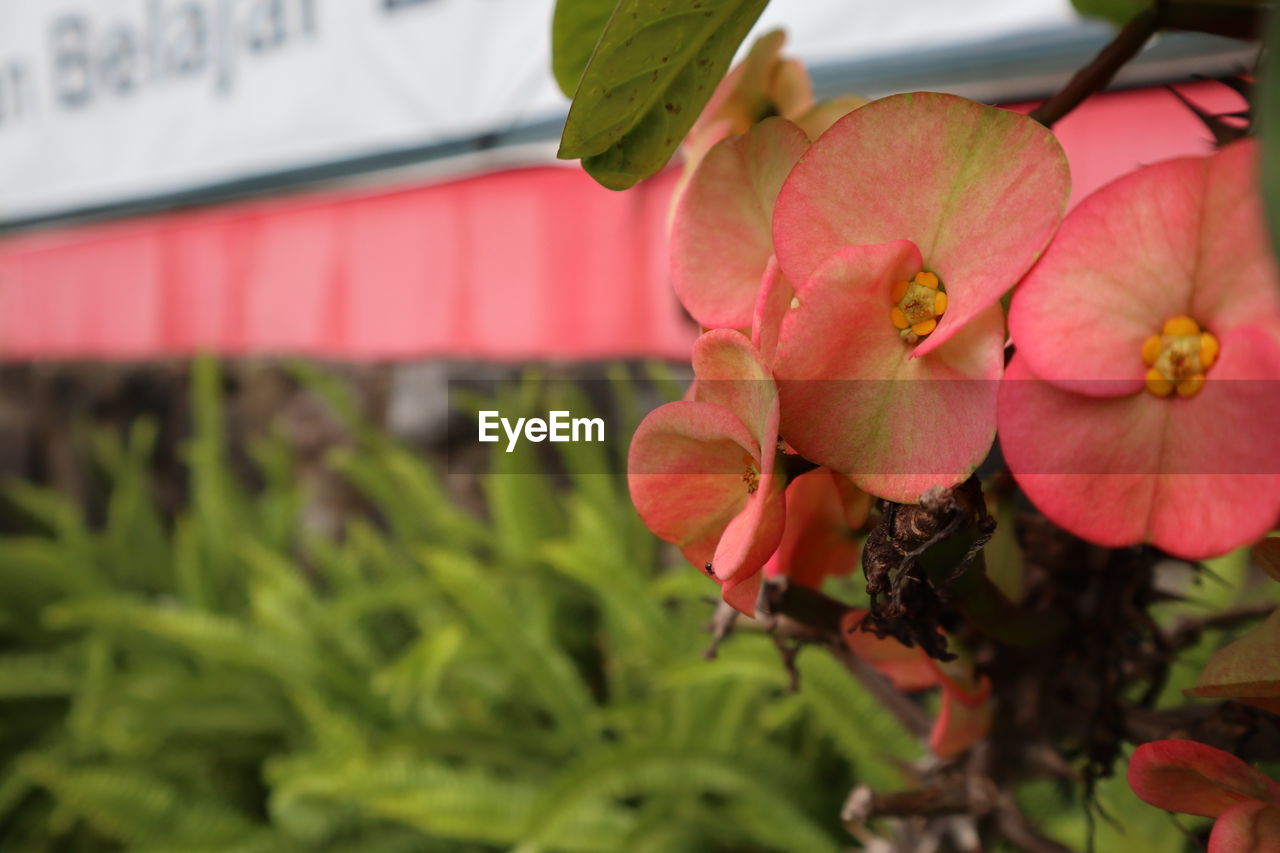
<point x="536" y="263"/>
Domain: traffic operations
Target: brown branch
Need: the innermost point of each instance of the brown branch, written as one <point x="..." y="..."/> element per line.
<point x="1243" y="730"/>
<point x="912" y="717"/>
<point x="800" y="613"/>
<point x="722" y="622"/>
<point x="1188" y="633"/>
<point x="821" y="613"/>
<point x="960" y="797"/>
<point x="865" y="804"/>
<point x="1240" y="22"/>
<point x="1095" y="76"/>
<point x="1014" y="826"/>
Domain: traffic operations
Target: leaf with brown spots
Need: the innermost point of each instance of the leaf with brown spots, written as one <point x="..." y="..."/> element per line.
<point x="652" y="72"/>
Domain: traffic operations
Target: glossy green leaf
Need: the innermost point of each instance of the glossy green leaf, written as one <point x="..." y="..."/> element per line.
<point x="653" y="71"/>
<point x="575" y="29"/>
<point x="1267" y="117"/>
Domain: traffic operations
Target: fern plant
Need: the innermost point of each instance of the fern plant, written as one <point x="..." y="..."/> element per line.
<point x="430" y="680"/>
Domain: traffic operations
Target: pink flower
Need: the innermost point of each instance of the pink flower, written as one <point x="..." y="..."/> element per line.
<point x="720" y="239"/>
<point x="701" y="471"/>
<point x="824" y="509"/>
<point x="1141" y="404"/>
<point x="1189" y="777"/>
<point x="900" y="229"/>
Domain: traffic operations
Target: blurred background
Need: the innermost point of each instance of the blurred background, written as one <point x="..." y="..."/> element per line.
<point x="260" y="263"/>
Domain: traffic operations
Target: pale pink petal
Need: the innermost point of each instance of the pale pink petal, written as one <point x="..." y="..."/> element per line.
<point x="720" y="239"/>
<point x="1123" y="470"/>
<point x="742" y="593"/>
<point x="856" y="399"/>
<point x="1236" y="277"/>
<point x="753" y="534"/>
<point x="772" y="304"/>
<point x="979" y="190"/>
<point x="817" y="542"/>
<point x="1248" y="827"/>
<point x="1192" y="778"/>
<point x="731" y="373"/>
<point x="1182" y="237"/>
<point x="684" y="470"/>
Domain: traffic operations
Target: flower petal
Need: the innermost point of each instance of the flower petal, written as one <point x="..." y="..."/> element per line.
<point x="1248" y="827"/>
<point x="964" y="718"/>
<point x="752" y="535"/>
<point x="1192" y="778"/>
<point x="720" y="238"/>
<point x="854" y="397"/>
<point x="1123" y="470"/>
<point x="684" y="470"/>
<point x="816" y="542"/>
<point x="1182" y="237"/>
<point x="979" y="190"/>
<point x="730" y="373"/>
<point x="772" y="304"/>
<point x="1237" y="281"/>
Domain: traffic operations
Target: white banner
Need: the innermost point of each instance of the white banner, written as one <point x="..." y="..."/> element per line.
<point x="106" y="101"/>
<point x="109" y="100"/>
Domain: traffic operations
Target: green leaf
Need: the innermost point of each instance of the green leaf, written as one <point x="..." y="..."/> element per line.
<point x="575" y="29"/>
<point x="1268" y="122"/>
<point x="1117" y="12"/>
<point x="653" y="71"/>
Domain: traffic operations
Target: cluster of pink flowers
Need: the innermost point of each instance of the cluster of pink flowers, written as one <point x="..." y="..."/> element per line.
<point x="851" y="290"/>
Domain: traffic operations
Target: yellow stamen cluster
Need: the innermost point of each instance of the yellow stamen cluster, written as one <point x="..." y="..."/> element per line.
<point x="1178" y="357"/>
<point x="917" y="306"/>
<point x="750" y="476"/>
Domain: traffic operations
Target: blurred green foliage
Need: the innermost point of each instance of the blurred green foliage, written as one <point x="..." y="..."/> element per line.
<point x="432" y="680"/>
<point x="526" y="678"/>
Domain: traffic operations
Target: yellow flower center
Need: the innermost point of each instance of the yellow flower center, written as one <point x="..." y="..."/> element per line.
<point x="751" y="475"/>
<point x="1178" y="357"/>
<point x="917" y="306"/>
